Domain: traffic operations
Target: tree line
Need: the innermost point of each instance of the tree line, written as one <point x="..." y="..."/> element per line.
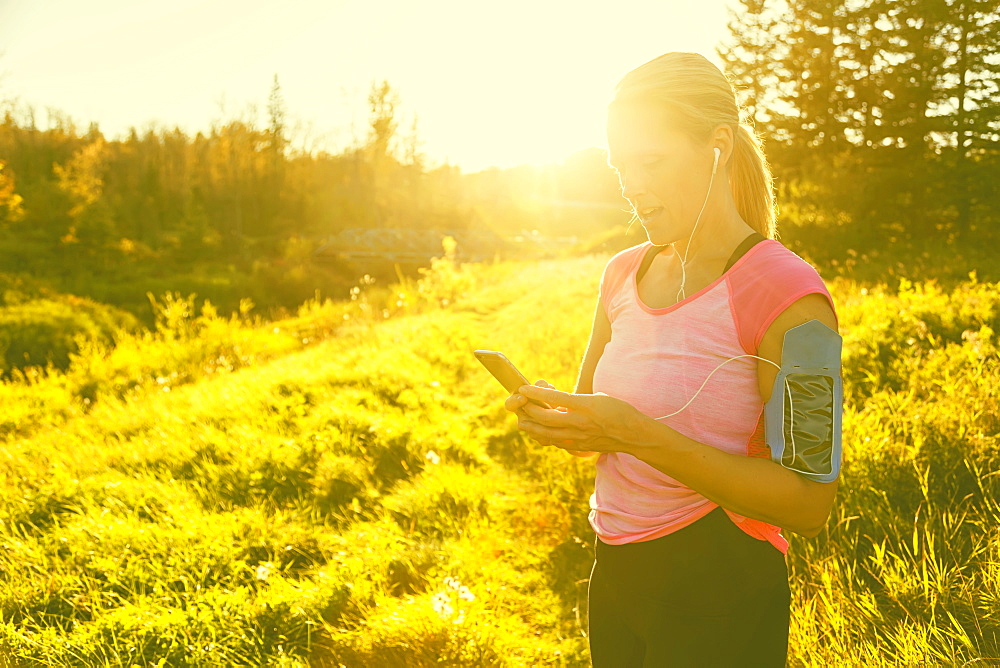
<point x="881" y="120"/>
<point x="240" y="192"/>
<point x="881" y="117"/>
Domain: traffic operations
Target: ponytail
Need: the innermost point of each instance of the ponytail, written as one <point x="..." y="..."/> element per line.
<point x="751" y="182"/>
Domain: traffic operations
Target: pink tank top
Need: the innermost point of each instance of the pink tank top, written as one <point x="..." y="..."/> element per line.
<point x="658" y="358"/>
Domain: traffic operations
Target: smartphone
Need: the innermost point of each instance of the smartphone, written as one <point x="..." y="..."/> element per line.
<point x="504" y="371"/>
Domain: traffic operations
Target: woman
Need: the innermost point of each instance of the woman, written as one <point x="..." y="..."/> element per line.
<point x="684" y="351"/>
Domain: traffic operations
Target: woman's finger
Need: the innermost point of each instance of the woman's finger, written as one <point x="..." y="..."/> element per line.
<point x="554" y="397"/>
<point x="556" y="418"/>
<point x="515" y="402"/>
<point x="541" y="432"/>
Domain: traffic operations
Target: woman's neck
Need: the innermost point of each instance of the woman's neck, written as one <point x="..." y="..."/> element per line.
<point x="718" y="233"/>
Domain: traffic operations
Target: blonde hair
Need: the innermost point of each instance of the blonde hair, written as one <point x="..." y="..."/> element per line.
<point x="698" y="98"/>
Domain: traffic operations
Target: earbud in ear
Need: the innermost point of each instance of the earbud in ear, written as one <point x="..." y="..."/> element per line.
<point x="718" y="154"/>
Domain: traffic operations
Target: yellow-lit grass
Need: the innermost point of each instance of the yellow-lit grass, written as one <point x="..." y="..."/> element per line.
<point x="344" y="486"/>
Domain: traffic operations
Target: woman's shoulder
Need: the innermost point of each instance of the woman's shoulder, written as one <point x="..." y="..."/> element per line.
<point x="617" y="269"/>
<point x="772" y="262"/>
<point x="623" y="260"/>
<point x="766" y="281"/>
<point x="629" y="254"/>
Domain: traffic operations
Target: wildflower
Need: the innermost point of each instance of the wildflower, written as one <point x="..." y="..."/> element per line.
<point x="442" y="605"/>
<point x="264" y="570"/>
<point x="432" y="457"/>
<point x="465" y="594"/>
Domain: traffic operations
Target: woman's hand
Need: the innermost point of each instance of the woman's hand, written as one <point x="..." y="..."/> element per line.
<point x="516" y="403"/>
<point x="577" y="422"/>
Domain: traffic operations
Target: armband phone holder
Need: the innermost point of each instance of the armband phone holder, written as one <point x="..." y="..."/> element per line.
<point x="803" y="416"/>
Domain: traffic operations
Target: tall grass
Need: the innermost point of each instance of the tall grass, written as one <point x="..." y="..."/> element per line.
<point x="343" y="487"/>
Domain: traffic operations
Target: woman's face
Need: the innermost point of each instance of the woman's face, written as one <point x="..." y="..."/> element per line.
<point x="664" y="175"/>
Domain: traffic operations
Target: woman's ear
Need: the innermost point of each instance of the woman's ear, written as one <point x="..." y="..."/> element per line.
<point x="724" y="139"/>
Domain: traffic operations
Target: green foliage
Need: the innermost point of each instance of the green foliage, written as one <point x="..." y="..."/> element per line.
<point x="44" y="332"/>
<point x="18" y="288"/>
<point x="442" y="502"/>
<point x="891" y="337"/>
<point x="343" y="487"/>
<point x="239" y="210"/>
<point x="11" y="210"/>
<point x="433" y="630"/>
<point x="879" y="120"/>
<point x="899" y="575"/>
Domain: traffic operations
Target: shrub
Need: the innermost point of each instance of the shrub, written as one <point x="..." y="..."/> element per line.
<point x="46" y="332"/>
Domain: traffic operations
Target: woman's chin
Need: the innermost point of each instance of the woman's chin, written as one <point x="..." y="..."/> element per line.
<point x="658" y="237"/>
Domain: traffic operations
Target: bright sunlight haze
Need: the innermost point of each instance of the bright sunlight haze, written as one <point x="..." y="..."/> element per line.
<point x="490" y="85"/>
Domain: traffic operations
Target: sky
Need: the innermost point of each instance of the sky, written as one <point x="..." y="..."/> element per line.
<point x="489" y="84"/>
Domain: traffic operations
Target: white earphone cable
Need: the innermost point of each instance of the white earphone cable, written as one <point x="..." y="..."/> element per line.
<point x="687" y="249"/>
<point x="712" y="374"/>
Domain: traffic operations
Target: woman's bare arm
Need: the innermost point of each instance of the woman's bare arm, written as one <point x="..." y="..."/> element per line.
<point x="600" y="336"/>
<point x="753" y="487"/>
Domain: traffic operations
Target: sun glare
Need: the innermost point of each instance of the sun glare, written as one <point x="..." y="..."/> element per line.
<point x="489" y="87"/>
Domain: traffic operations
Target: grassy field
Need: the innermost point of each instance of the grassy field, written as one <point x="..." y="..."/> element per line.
<point x="344" y="487"/>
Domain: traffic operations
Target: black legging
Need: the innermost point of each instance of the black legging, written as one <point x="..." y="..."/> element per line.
<point x="706" y="595"/>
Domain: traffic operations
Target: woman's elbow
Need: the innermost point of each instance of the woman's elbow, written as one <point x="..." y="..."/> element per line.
<point x="817" y="513"/>
<point x="811" y="532"/>
<point x="807" y="528"/>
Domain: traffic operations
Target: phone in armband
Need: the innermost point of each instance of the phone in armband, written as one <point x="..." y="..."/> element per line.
<point x="505" y="371"/>
<point x="803" y="416"/>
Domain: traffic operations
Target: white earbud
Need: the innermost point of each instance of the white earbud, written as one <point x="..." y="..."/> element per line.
<point x="715" y="165"/>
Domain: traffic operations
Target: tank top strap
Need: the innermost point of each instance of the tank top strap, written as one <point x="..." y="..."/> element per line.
<point x="741" y="250"/>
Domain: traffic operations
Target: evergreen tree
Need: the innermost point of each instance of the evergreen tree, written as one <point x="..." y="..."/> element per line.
<point x="861" y="101"/>
<point x="755" y="58"/>
<point x="972" y="86"/>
